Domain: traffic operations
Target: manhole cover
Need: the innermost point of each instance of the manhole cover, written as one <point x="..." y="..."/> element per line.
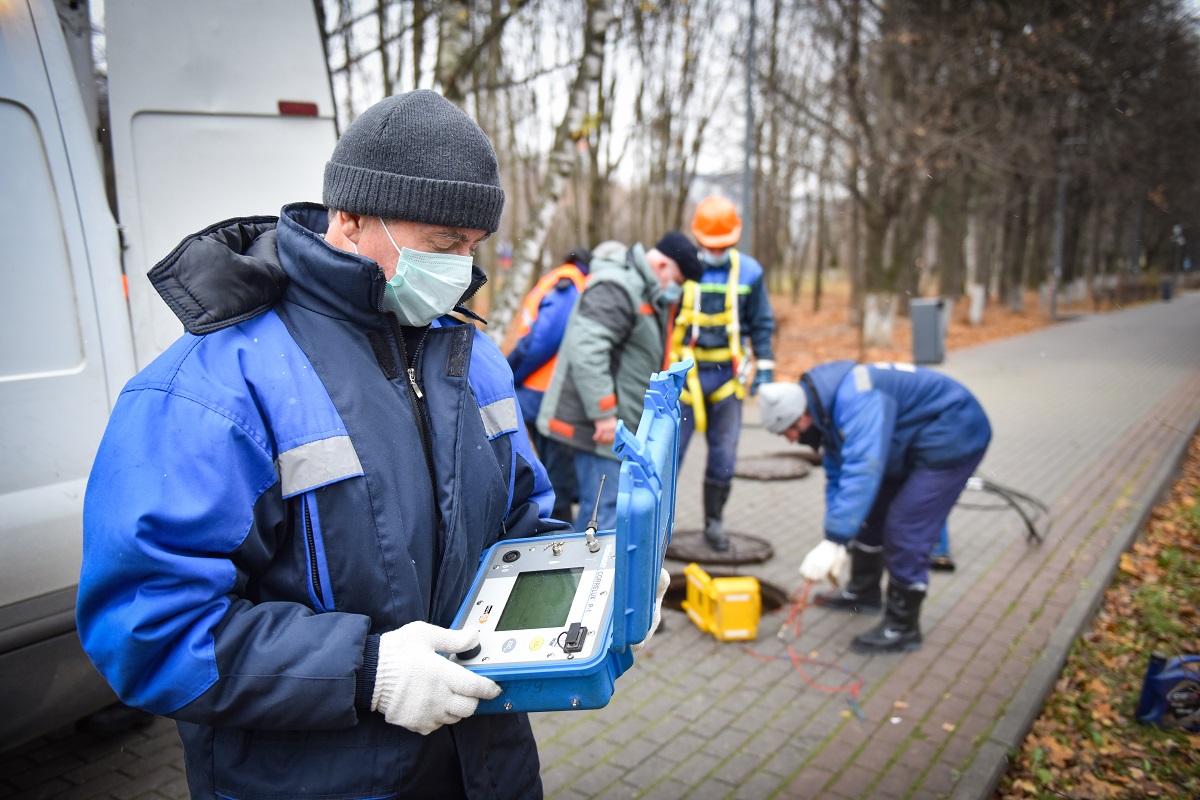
<point x="689" y="545"/>
<point x="773" y="597"/>
<point x="776" y="466"/>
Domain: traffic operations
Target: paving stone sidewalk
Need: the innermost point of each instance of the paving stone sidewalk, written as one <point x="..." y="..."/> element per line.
<point x="1091" y="416"/>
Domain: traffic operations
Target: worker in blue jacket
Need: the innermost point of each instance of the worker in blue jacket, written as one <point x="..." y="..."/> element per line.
<point x="289" y="505"/>
<point x="899" y="444"/>
<point x="544" y="315"/>
<point x="721" y="314"/>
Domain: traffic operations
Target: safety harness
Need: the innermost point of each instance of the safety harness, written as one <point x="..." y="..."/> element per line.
<point x="687" y="333"/>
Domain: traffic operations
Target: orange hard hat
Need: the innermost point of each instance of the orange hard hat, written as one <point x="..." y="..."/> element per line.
<point x="716" y="223"/>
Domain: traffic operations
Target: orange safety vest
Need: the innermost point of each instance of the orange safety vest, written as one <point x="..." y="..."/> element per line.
<point x="539" y="380"/>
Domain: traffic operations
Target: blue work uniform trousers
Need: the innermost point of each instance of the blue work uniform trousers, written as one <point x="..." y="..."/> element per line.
<point x="724" y="424"/>
<point x="908" y="516"/>
<point x="559" y="461"/>
<point x="558" y="458"/>
<point x="589" y="468"/>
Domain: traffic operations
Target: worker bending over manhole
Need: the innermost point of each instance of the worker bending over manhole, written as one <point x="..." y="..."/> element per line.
<point x="900" y="443"/>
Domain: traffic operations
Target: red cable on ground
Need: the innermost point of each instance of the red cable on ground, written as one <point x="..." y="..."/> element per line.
<point x="797" y="604"/>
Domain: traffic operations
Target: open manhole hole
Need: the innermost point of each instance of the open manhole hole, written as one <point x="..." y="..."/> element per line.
<point x="783" y="466"/>
<point x="773" y="597"/>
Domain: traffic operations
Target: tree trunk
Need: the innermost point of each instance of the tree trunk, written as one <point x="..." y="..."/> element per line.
<point x="454" y="42"/>
<point x="952" y="236"/>
<point x="385" y="64"/>
<point x="419" y="13"/>
<point x="562" y="158"/>
<point x="1015" y="245"/>
<point x="822" y="244"/>
<point x="855" y="266"/>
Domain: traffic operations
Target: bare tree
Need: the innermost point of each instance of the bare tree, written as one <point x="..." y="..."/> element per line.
<point x="570" y="130"/>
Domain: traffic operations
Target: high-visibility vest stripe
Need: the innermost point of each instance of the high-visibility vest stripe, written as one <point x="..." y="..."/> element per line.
<point x="687" y="331"/>
<point x="539" y="379"/>
<point x="562" y="428"/>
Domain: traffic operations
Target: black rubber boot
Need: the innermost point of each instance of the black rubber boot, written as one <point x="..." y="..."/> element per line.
<point x="862" y="594"/>
<point x="942" y="563"/>
<point x="900" y="630"/>
<point x="715" y="495"/>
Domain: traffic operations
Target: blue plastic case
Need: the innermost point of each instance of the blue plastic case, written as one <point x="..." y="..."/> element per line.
<point x="645" y="519"/>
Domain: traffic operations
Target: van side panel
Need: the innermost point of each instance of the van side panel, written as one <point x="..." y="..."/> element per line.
<point x="54" y="384"/>
<point x="54" y="400"/>
<point x="200" y="136"/>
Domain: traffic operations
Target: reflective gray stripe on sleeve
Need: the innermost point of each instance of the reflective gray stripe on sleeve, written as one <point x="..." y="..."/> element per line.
<point x="862" y="378"/>
<point x="317" y="464"/>
<point x="499" y="417"/>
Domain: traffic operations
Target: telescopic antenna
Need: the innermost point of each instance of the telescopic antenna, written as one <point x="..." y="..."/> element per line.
<point x="592" y="544"/>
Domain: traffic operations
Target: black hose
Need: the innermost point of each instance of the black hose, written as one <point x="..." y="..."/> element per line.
<point x="1014" y="499"/>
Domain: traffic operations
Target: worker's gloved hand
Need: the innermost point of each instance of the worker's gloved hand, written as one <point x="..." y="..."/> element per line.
<point x="825" y="562"/>
<point x="418" y="689"/>
<point x="664" y="580"/>
<point x="761" y="376"/>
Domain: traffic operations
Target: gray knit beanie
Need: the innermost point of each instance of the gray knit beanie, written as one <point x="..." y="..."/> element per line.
<point x="416" y="157"/>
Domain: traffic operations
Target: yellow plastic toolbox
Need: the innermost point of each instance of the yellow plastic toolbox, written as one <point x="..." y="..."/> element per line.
<point x="726" y="607"/>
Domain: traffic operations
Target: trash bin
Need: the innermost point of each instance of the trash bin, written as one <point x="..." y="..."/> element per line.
<point x="1168" y="289"/>
<point x="928" y="330"/>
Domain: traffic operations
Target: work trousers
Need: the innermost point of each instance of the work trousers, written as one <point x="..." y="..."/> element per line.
<point x="590" y="467"/>
<point x="724" y="424"/>
<point x="908" y="516"/>
<point x="559" y="461"/>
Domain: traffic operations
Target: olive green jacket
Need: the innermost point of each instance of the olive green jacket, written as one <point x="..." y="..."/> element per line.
<point x="616" y="339"/>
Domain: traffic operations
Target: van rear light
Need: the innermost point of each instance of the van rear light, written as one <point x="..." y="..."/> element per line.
<point x="296" y="108"/>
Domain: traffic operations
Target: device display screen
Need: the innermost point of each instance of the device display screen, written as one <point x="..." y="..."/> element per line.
<point x="540" y="599"/>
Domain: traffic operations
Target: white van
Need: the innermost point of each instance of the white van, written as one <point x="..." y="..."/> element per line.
<point x="217" y="109"/>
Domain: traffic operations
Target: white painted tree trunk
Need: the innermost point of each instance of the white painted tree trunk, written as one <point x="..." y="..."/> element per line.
<point x="562" y="156"/>
<point x="978" y="294"/>
<point x="879" y="314"/>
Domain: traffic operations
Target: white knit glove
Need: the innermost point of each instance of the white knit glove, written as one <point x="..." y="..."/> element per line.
<point x="418" y="689"/>
<point x="664" y="580"/>
<point x="827" y="561"/>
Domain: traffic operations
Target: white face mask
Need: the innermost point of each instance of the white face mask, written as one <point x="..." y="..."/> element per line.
<point x="713" y="260"/>
<point x="671" y="293"/>
<point x="426" y="285"/>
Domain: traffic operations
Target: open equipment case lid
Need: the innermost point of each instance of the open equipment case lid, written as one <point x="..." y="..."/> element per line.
<point x="646" y="504"/>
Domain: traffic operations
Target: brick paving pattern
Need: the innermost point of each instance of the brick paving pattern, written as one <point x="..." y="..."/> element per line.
<point x="1091" y="416"/>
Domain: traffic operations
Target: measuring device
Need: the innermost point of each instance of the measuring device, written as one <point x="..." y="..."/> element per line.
<point x="556" y="615"/>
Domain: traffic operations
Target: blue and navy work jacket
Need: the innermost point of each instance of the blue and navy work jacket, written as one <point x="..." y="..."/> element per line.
<point x="885" y="420"/>
<point x="277" y="490"/>
<point x="756" y="320"/>
<point x="543" y="322"/>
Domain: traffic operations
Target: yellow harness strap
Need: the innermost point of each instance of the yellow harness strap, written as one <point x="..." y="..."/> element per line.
<point x="687" y="330"/>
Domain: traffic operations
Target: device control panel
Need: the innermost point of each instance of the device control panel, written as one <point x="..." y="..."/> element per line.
<point x="542" y="601"/>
